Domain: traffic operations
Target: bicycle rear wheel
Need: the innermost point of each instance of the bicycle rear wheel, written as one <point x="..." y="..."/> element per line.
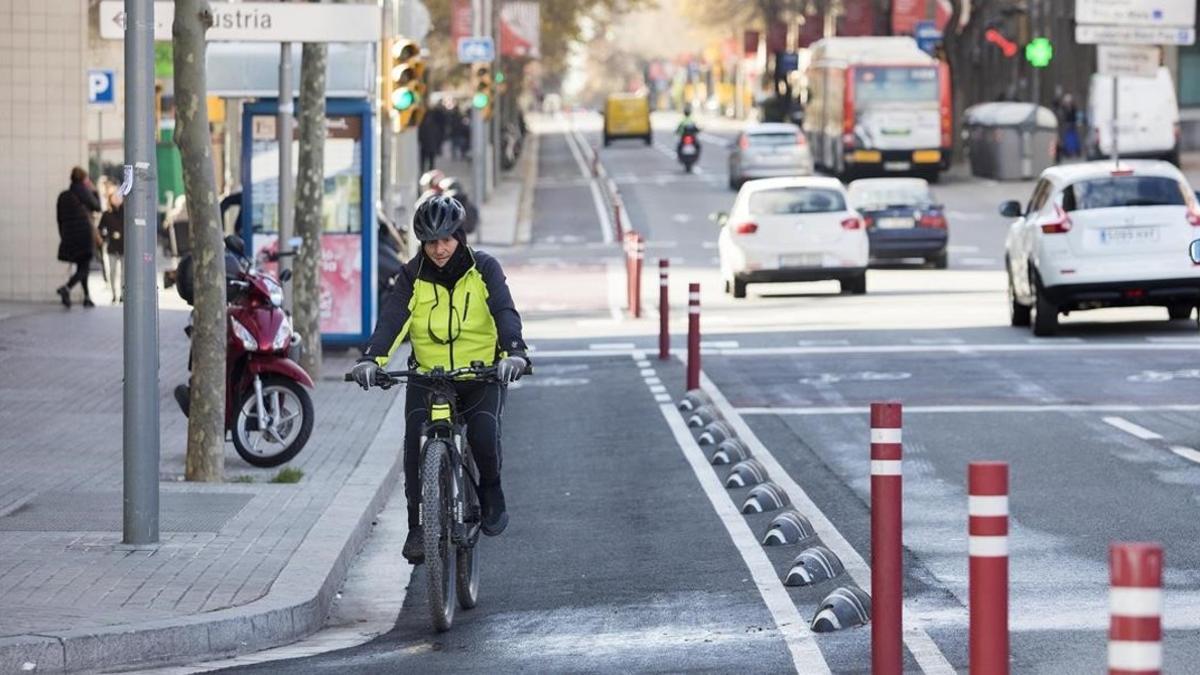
<point x="467" y="558"/>
<point x="437" y="519"/>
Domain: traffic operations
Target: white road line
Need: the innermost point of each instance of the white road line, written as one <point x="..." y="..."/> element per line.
<point x="806" y="655"/>
<point x="977" y="261"/>
<point x="1131" y="428"/>
<point x="663" y="398"/>
<point x="1060" y="340"/>
<point x="1187" y="453"/>
<point x="719" y="344"/>
<point x="606" y="227"/>
<point x="922" y="647"/>
<point x="610" y="345"/>
<point x="1176" y="340"/>
<point x="1049" y="345"/>
<point x="970" y="409"/>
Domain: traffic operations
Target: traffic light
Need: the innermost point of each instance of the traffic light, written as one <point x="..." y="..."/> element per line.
<point x="482" y="101"/>
<point x="404" y="76"/>
<point x="1039" y="52"/>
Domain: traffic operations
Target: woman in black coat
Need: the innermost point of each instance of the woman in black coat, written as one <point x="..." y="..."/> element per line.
<point x="78" y="237"/>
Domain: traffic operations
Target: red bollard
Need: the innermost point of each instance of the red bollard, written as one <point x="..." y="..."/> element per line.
<point x="887" y="567"/>
<point x="620" y="231"/>
<point x="693" y="360"/>
<point x="639" y="255"/>
<point x="1135" y="602"/>
<point x="664" y="309"/>
<point x="629" y="246"/>
<point x="987" y="510"/>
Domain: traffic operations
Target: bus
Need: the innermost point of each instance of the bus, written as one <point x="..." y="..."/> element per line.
<point x="878" y="105"/>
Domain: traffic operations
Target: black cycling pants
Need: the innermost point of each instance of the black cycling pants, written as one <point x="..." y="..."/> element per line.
<point x="480" y="406"/>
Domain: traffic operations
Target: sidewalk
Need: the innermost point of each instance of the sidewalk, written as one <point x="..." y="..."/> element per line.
<point x="504" y="221"/>
<point x="240" y="566"/>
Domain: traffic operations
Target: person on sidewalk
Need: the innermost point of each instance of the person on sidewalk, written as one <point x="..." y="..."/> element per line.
<point x="430" y="135"/>
<point x="434" y="290"/>
<point x="112" y="231"/>
<point x="78" y="236"/>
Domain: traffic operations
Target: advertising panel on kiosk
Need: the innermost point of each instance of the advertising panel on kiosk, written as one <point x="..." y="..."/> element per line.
<point x="348" y="232"/>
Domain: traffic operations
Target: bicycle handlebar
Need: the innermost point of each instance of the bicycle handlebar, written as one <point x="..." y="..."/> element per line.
<point x="481" y="374"/>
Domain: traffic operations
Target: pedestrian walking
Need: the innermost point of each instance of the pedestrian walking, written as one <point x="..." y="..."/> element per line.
<point x="78" y="236"/>
<point x="460" y="134"/>
<point x="430" y="135"/>
<point x="112" y="231"/>
<point x="1068" y="126"/>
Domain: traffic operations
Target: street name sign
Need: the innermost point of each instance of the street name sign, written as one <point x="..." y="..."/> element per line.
<point x="1168" y="13"/>
<point x="261" y="22"/>
<point x="476" y="50"/>
<point x="102" y="87"/>
<point x="1091" y="34"/>
<point x="1127" y="60"/>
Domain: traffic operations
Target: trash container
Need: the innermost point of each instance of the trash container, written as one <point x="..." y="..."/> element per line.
<point x="1010" y="141"/>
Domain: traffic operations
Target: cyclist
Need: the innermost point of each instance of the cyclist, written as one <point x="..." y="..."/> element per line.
<point x="455" y="306"/>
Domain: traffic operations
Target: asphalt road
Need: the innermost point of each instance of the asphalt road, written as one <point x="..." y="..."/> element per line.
<point x="620" y="559"/>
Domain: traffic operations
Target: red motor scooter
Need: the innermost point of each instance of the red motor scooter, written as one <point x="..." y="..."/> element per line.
<point x="268" y="408"/>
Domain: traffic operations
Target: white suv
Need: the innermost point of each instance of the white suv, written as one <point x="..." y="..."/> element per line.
<point x="1098" y="235"/>
<point x="792" y="229"/>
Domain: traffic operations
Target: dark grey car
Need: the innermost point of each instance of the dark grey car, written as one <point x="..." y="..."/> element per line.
<point x="769" y="150"/>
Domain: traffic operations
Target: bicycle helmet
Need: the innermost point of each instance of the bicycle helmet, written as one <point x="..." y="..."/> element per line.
<point x="438" y="217"/>
<point x="430" y="179"/>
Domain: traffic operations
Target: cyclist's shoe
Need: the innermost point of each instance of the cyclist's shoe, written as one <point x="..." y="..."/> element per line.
<point x="414" y="547"/>
<point x="495" y="516"/>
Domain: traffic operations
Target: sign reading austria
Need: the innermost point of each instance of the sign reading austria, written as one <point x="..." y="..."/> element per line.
<point x="261" y="22"/>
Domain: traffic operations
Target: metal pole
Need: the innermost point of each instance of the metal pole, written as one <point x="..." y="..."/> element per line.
<point x="493" y="19"/>
<point x="987" y="574"/>
<point x="283" y="130"/>
<point x="1115" y="124"/>
<point x="140" y="397"/>
<point x="887" y="567"/>
<point x="478" y="128"/>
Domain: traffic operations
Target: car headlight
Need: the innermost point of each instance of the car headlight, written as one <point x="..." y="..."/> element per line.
<point x="283" y="336"/>
<point x="274" y="291"/>
<point x="248" y="342"/>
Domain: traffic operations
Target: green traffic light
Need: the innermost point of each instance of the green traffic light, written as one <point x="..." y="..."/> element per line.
<point x="480" y="101"/>
<point x="403" y="99"/>
<point x="499" y="77"/>
<point x="1039" y="52"/>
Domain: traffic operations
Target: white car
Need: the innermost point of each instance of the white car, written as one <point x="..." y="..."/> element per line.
<point x="792" y="229"/>
<point x="1098" y="235"/>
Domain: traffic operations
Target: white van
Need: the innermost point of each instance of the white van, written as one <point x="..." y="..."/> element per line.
<point x="1149" y="117"/>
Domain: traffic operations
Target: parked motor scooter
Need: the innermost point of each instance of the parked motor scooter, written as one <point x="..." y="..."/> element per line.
<point x="268" y="408"/>
<point x="688" y="150"/>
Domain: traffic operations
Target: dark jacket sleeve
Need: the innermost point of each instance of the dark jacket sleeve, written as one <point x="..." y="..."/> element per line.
<point x="393" y="319"/>
<point x="500" y="303"/>
<point x="89" y="199"/>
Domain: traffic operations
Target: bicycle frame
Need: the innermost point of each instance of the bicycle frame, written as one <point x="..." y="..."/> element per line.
<point x="444" y="424"/>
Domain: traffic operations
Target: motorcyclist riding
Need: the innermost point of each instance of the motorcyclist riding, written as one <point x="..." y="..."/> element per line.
<point x="455" y="306"/>
<point x="687" y="125"/>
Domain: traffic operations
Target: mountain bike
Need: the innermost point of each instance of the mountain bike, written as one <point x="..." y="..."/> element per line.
<point x="450" y="515"/>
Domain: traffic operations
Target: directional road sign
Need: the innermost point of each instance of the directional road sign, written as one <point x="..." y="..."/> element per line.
<point x="1162" y="13"/>
<point x="102" y="87"/>
<point x="1091" y="34"/>
<point x="476" y="50"/>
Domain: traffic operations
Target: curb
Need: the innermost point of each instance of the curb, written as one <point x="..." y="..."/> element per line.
<point x="297" y="604"/>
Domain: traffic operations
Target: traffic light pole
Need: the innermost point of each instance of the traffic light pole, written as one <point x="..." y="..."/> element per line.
<point x="478" y="127"/>
<point x="140" y="442"/>
<point x="283" y="131"/>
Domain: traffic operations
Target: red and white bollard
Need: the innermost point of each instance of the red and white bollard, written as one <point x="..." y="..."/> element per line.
<point x="639" y="257"/>
<point x="693" y="342"/>
<point x="1135" y="606"/>
<point x="595" y="162"/>
<point x="987" y="543"/>
<point x="664" y="309"/>
<point x="887" y="567"/>
<point x="620" y="230"/>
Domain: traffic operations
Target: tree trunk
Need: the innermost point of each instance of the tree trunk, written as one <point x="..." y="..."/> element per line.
<point x="310" y="192"/>
<point x="206" y="418"/>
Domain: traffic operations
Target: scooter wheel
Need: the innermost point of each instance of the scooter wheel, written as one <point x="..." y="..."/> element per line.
<point x="286" y="401"/>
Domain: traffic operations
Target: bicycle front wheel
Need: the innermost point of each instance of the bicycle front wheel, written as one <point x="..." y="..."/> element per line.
<point x="437" y="520"/>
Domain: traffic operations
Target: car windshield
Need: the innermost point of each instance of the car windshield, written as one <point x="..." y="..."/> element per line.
<point x="786" y="201"/>
<point x="772" y="139"/>
<point x="895" y="84"/>
<point x="896" y="194"/>
<point x="1117" y="191"/>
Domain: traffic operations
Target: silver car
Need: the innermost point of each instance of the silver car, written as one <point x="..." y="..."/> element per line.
<point x="769" y="150"/>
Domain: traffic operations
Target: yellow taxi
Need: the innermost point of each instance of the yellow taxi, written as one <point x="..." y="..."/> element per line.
<point x="626" y="116"/>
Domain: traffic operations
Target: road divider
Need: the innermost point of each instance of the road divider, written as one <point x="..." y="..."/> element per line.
<point x="765" y="497"/>
<point x="745" y="473"/>
<point x="1135" y="609"/>
<point x="887" y="546"/>
<point x="987" y="544"/>
<point x="731" y="451"/>
<point x="788" y="528"/>
<point x="813" y="566"/>
<point x="716" y="433"/>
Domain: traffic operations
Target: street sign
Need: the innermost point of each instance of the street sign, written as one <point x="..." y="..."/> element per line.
<point x="788" y="62"/>
<point x="1039" y="52"/>
<point x="1091" y="34"/>
<point x="476" y="50"/>
<point x="261" y="22"/>
<point x="927" y="35"/>
<point x="102" y="87"/>
<point x="1127" y="60"/>
<point x="1161" y="13"/>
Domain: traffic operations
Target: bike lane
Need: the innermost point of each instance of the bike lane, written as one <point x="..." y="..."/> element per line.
<point x="614" y="560"/>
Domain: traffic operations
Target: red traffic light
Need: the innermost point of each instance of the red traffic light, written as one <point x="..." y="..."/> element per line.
<point x="1008" y="47"/>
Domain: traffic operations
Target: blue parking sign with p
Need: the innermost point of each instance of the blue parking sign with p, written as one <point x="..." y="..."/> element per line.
<point x="102" y="87"/>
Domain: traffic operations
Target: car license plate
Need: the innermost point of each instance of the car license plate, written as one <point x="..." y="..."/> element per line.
<point x="894" y="223"/>
<point x="801" y="260"/>
<point x="689" y="149"/>
<point x="897" y="166"/>
<point x="1128" y="235"/>
<point x="927" y="156"/>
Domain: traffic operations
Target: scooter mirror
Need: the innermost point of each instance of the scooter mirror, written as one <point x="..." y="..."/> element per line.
<point x="1194" y="251"/>
<point x="285" y="275"/>
<point x="234" y="243"/>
